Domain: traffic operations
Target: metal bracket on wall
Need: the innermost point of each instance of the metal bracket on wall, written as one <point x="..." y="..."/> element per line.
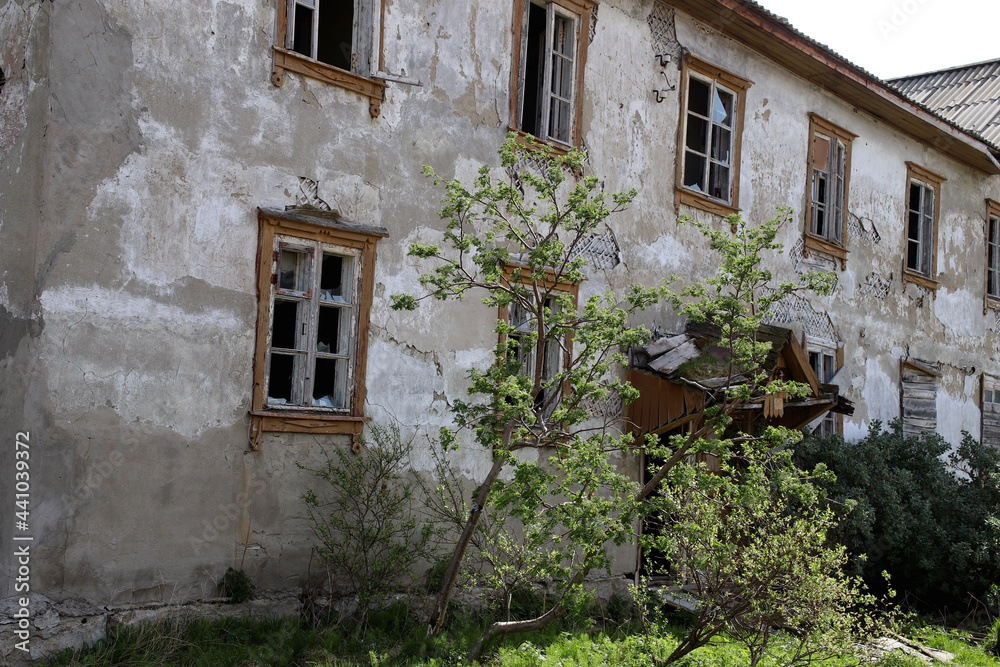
<point x="661" y="93"/>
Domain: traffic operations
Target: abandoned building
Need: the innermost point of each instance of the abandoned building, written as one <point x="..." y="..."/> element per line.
<point x="162" y="160"/>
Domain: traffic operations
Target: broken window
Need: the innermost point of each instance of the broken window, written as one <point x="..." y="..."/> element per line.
<point x="712" y="118"/>
<point x="823" y="357"/>
<point x="335" y="41"/>
<point x="550" y="67"/>
<point x="923" y="190"/>
<point x="918" y="381"/>
<point x="315" y="285"/>
<point x="312" y="324"/>
<point x="540" y="364"/>
<point x="829" y="176"/>
<point x="990" y="411"/>
<point x="335" y="32"/>
<point x="993" y="250"/>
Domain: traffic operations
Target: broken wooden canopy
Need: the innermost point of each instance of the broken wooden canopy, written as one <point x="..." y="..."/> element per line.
<point x="678" y="375"/>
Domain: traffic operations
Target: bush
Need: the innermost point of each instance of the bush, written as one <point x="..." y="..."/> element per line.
<point x="927" y="520"/>
<point x="363" y="518"/>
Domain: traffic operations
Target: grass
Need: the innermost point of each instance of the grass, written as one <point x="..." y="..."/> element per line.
<point x="396" y="637"/>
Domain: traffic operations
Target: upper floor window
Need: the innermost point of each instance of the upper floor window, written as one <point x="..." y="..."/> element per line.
<point x="335" y="41"/>
<point x="315" y="284"/>
<point x="828" y="186"/>
<point x="992" y="251"/>
<point x="713" y="103"/>
<point x="550" y="49"/>
<point x="923" y="194"/>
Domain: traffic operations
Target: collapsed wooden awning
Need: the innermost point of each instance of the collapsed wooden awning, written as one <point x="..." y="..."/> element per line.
<point x="672" y="392"/>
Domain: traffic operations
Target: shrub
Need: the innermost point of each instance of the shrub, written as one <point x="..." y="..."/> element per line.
<point x="926" y="519"/>
<point x="363" y="520"/>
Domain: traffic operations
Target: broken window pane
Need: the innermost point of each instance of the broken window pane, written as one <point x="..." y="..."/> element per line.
<point x="722" y="111"/>
<point x="293" y="270"/>
<point x="285" y="325"/>
<point x="334" y="283"/>
<point x="279" y="386"/>
<point x="721" y="143"/>
<point x="328" y="338"/>
<point x="698" y="92"/>
<point x="719" y="181"/>
<point x="694" y="172"/>
<point x="302" y="40"/>
<point x="697" y="134"/>
<point x="336" y="33"/>
<point x="329" y="383"/>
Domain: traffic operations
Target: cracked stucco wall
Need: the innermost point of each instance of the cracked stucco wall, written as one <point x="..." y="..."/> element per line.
<point x="137" y="140"/>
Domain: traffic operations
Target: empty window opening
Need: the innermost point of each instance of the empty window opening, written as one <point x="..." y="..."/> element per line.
<point x="324" y="30"/>
<point x="549" y="72"/>
<point x="708" y="140"/>
<point x="920" y="228"/>
<point x="311" y="326"/>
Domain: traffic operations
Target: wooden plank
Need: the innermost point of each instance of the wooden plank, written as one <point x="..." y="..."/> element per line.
<point x="675" y="402"/>
<point x="919" y="394"/>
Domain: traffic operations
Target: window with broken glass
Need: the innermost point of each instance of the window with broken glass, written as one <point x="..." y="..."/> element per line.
<point x="315" y="287"/>
<point x="334" y="41"/>
<point x="550" y="57"/>
<point x="524" y="324"/>
<point x="923" y="190"/>
<point x="823" y="360"/>
<point x="990" y="431"/>
<point x="712" y="116"/>
<point x="312" y="325"/>
<point x="993" y="251"/>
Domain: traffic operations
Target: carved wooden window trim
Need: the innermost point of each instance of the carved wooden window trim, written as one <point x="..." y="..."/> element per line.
<point x="729" y="83"/>
<point x="580" y="12"/>
<point x="299" y="231"/>
<point x="927" y="222"/>
<point x="992" y="286"/>
<point x="366" y="56"/>
<point x="829" y="204"/>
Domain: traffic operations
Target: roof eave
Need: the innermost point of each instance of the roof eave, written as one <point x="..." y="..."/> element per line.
<point x="751" y="26"/>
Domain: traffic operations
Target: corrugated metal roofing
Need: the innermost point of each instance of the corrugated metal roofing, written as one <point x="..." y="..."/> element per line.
<point x="968" y="96"/>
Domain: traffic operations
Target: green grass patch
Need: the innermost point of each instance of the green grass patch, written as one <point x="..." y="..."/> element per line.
<point x="396" y="636"/>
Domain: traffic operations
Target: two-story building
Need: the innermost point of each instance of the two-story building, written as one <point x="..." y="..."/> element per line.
<point x="204" y="208"/>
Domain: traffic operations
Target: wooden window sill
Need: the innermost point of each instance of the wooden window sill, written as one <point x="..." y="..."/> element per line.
<point x="285" y="59"/>
<point x="824" y="247"/>
<point x="991" y="303"/>
<point x="307" y="422"/>
<point x="704" y="202"/>
<point x="556" y="147"/>
<point x="910" y="276"/>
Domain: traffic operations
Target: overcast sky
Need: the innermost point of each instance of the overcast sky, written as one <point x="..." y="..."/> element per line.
<point x="892" y="38"/>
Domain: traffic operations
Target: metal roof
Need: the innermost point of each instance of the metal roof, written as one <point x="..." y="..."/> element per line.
<point x="968" y="96"/>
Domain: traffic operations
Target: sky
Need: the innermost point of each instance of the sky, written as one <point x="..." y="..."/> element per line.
<point x="893" y="38"/>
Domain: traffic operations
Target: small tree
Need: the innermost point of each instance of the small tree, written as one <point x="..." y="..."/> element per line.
<point x="363" y="517"/>
<point x="516" y="244"/>
<point x="751" y="543"/>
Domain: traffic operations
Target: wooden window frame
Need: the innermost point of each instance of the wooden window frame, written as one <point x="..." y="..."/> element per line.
<point x="992" y="213"/>
<point x="312" y="227"/>
<point x="928" y="179"/>
<point x="993" y="385"/>
<point x="581" y="9"/>
<point x="835" y="350"/>
<point x="738" y="86"/>
<point x="361" y="79"/>
<point x="548" y="283"/>
<point x="829" y="244"/>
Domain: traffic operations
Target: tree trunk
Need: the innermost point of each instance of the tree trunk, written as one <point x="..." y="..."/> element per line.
<point x="451" y="574"/>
